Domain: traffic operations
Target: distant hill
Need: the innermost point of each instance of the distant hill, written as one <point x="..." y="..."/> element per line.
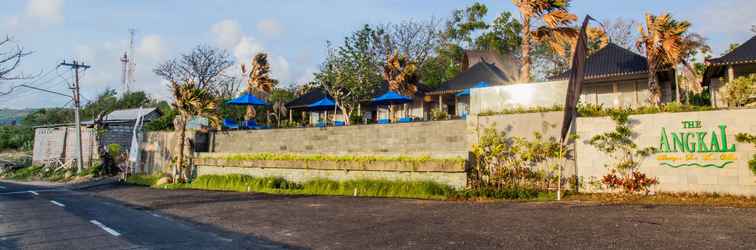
<point x="9" y="116"/>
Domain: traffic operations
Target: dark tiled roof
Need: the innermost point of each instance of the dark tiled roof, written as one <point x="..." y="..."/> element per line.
<point x="480" y="72"/>
<point x="473" y="57"/>
<point x="745" y="53"/>
<point x="310" y="97"/>
<point x="611" y="60"/>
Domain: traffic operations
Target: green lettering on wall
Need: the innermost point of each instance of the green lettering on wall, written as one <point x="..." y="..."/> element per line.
<point x="724" y="139"/>
<point x="701" y="144"/>
<point x="677" y="142"/>
<point x="714" y="145"/>
<point x="690" y="146"/>
<point x="664" y="142"/>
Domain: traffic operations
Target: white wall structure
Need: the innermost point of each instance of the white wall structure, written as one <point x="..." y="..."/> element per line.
<point x="522" y="95"/>
<point x="694" y="158"/>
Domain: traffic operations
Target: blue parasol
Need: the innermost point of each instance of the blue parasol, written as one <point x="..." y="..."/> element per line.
<point x="467" y="90"/>
<point x="391" y="97"/>
<point x="247" y="99"/>
<point x="324" y="103"/>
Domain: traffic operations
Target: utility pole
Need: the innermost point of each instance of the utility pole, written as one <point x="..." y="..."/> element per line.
<point x="77" y="105"/>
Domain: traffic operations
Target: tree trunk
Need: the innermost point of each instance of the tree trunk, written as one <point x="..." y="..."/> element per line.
<point x="345" y="114"/>
<point x="525" y="70"/>
<point x="654" y="96"/>
<point x="180" y="151"/>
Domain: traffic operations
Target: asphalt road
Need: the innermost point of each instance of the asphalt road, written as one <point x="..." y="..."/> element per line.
<point x="322" y="222"/>
<point x="33" y="217"/>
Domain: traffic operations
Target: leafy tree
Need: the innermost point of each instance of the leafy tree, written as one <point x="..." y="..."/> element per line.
<point x="464" y="23"/>
<point x="692" y="73"/>
<point x="502" y="36"/>
<point x="351" y="72"/>
<point x="663" y="42"/>
<point x="48" y="116"/>
<point x="555" y="32"/>
<point x="259" y="81"/>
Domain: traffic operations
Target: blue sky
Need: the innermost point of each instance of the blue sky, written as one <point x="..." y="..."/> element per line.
<point x="292" y="32"/>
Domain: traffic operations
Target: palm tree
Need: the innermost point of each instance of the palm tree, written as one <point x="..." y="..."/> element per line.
<point x="401" y="75"/>
<point x="260" y="81"/>
<point x="692" y="76"/>
<point x="190" y="101"/>
<point x="662" y="41"/>
<point x="556" y="31"/>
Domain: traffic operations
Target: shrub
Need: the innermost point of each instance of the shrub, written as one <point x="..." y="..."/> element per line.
<point x="748" y="138"/>
<point x="438" y="114"/>
<point x="741" y="91"/>
<point x="142" y="180"/>
<point x="620" y="146"/>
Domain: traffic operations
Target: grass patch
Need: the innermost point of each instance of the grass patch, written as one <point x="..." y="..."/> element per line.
<point x="142" y="180"/>
<point x="319" y="157"/>
<point x="36" y="172"/>
<point x="707" y="199"/>
<point x="365" y="188"/>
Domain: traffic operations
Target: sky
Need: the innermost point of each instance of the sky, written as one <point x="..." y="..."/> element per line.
<point x="293" y="33"/>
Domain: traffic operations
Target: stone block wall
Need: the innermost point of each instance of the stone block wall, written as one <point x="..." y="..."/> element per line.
<point x="435" y="139"/>
<point x="706" y="172"/>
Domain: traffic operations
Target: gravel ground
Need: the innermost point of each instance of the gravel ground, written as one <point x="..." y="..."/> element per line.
<point x="322" y="222"/>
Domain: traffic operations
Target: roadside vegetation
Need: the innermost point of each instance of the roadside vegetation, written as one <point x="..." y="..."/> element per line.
<point x="593" y="110"/>
<point x="42" y="173"/>
<point x="363" y="188"/>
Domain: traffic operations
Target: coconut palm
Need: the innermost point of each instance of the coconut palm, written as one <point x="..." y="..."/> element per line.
<point x="662" y="41"/>
<point x="555" y="32"/>
<point x="190" y="101"/>
<point x="401" y="75"/>
<point x="260" y="81"/>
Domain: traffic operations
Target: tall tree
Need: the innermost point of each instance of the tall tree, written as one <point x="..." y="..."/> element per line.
<point x="400" y="73"/>
<point x="662" y="40"/>
<point x="464" y="22"/>
<point x="189" y="100"/>
<point x="621" y="32"/>
<point x="204" y="66"/>
<point x="10" y="58"/>
<point x="416" y="39"/>
<point x="259" y="81"/>
<point x="351" y="72"/>
<point x="556" y="30"/>
<point x="502" y="36"/>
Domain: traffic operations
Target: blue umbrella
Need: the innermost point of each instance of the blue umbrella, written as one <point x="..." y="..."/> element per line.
<point x="324" y="103"/>
<point x="391" y="97"/>
<point x="467" y="91"/>
<point x="247" y="99"/>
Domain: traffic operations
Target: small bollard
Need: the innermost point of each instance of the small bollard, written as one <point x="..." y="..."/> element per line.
<point x="247" y="189"/>
<point x="355" y="191"/>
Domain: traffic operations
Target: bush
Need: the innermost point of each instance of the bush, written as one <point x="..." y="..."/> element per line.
<point x="741" y="91"/>
<point x="748" y="138"/>
<point x="438" y="114"/>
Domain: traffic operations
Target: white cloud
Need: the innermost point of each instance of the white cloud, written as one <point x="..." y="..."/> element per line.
<point x="306" y="76"/>
<point x="45" y="11"/>
<point x="246" y="48"/>
<point x="150" y="47"/>
<point x="227" y="33"/>
<point x="270" y="28"/>
<point x="279" y="67"/>
<point x="716" y="17"/>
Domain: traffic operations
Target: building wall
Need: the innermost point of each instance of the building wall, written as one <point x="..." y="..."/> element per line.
<point x="59" y="143"/>
<point x="718" y="86"/>
<point x="691" y="172"/>
<point x="497" y="98"/>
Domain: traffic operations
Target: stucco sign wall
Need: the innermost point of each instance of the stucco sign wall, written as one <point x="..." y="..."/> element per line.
<point x="697" y="151"/>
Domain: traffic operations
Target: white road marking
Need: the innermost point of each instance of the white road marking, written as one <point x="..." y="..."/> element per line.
<point x="58" y="203"/>
<point x="107" y="229"/>
<point x="156" y="215"/>
<point x="34" y="193"/>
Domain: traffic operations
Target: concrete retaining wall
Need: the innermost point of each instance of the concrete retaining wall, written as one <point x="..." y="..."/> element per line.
<point x="525" y="95"/>
<point x="707" y="172"/>
<point x="435" y="139"/>
<point x="450" y="172"/>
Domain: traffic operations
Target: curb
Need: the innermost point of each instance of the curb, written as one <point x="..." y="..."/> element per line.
<point x="91" y="184"/>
